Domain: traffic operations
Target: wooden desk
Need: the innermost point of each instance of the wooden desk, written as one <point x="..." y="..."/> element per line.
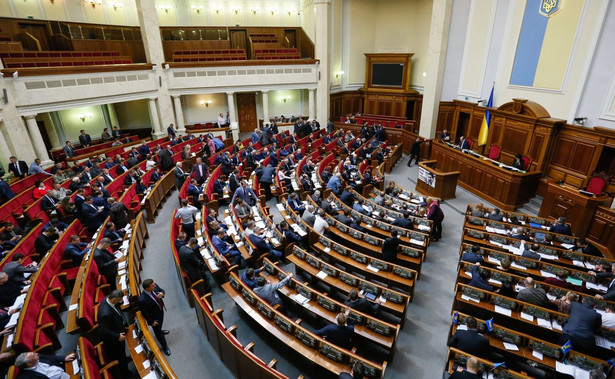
<point x="566" y="201"/>
<point x="506" y="189"/>
<point x="443" y="185"/>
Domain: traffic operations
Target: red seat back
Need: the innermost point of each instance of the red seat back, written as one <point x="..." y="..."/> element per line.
<point x="494" y="152"/>
<point x="526" y="162"/>
<point x="596" y="185"/>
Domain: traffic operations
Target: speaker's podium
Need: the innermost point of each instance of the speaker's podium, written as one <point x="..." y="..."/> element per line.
<point x="436" y="183"/>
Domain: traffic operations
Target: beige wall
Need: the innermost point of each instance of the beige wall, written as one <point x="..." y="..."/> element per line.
<point x="197" y="113"/>
<point x="71" y="123"/>
<point x="131" y="115"/>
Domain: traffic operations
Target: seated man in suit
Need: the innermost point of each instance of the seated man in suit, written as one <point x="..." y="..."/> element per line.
<point x="610" y="293"/>
<point x="93" y="216"/>
<point x="16" y="270"/>
<point x="404" y="222"/>
<point x="472" y="255"/>
<point x="532" y="294"/>
<point x="263" y="246"/>
<point x="290" y="235"/>
<point x="583" y="324"/>
<point x="195" y="190"/>
<point x="296" y="204"/>
<point x="225" y="248"/>
<point x="269" y="292"/>
<point x="347" y="196"/>
<point x="358" y="206"/>
<point x="116" y="236"/>
<point x="18" y="168"/>
<point x="470" y="341"/>
<point x="361" y="304"/>
<point x="344" y="218"/>
<point x="45" y="241"/>
<point x="340" y="334"/>
<point x="495" y="215"/>
<point x="463" y="143"/>
<point x="560" y="227"/>
<point x="532" y="253"/>
<point x="76" y="250"/>
<point x="33" y="365"/>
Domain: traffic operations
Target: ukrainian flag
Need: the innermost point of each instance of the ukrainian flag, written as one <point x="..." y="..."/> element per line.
<point x="566" y="347"/>
<point x="545" y="43"/>
<point x="484" y="128"/>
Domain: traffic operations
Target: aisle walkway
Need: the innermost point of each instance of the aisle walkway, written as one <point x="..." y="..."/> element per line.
<point x="421" y="347"/>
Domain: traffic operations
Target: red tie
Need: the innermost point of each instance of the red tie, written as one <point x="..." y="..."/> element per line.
<point x="158" y="300"/>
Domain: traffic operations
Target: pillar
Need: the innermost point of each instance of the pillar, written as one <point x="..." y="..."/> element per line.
<point x="179" y="114"/>
<point x="153" y="114"/>
<point x="231" y="106"/>
<point x="265" y="107"/>
<point x="36" y="139"/>
<point x="311" y="113"/>
<point x="5" y="153"/>
<point x="436" y="55"/>
<point x="322" y="8"/>
<point x="152" y="42"/>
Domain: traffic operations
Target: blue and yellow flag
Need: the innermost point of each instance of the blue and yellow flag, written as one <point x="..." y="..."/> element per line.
<point x="611" y="361"/>
<point x="489" y="325"/>
<point x="484" y="128"/>
<point x="455" y="318"/>
<point x="566" y="347"/>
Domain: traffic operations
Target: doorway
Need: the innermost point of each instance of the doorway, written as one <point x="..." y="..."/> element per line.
<point x="46" y="140"/>
<point x="462" y="125"/>
<point x="291" y="36"/>
<point x="246" y="111"/>
<point x="34" y="36"/>
<point x="239" y="40"/>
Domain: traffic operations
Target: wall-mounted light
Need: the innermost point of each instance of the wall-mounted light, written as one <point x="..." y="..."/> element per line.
<point x="580" y="120"/>
<point x="52" y="1"/>
<point x="424" y="74"/>
<point x="82" y="116"/>
<point x="254" y="10"/>
<point x="285" y="98"/>
<point x="289" y="11"/>
<point x="165" y="8"/>
<point x="236" y="10"/>
<point x="206" y="103"/>
<point x="117" y="5"/>
<point x="273" y="10"/>
<point x="338" y="74"/>
<point x="218" y="10"/>
<point x="93" y="3"/>
<point x="197" y="9"/>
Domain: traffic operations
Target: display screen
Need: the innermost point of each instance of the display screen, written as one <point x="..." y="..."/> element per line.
<point x="387" y="74"/>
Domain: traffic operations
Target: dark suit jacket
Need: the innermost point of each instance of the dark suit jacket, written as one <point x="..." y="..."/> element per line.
<point x="403" y="222"/>
<point x="110" y="323"/>
<point x="389" y="249"/>
<point x="47" y="204"/>
<point x="48" y="359"/>
<point x="233" y="183"/>
<point x="42" y="244"/>
<point x="582" y="323"/>
<point x="166" y="160"/>
<point x="74" y="253"/>
<point x="85" y="139"/>
<point x="180" y="177"/>
<point x="610" y="293"/>
<point x="470" y="342"/>
<point x="189" y="263"/>
<point x="262" y="246"/>
<point x="106" y="265"/>
<point x="150" y="309"/>
<point x="200" y="178"/>
<point x="337" y="335"/>
<point x="23" y="167"/>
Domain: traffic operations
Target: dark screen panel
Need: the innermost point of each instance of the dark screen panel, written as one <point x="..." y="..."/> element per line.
<point x="387" y="74"/>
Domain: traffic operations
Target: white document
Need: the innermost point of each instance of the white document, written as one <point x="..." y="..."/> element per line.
<point x="511" y="346"/>
<point x="544" y="323"/>
<point x="502" y="310"/>
<point x="118" y="254"/>
<point x="547" y="274"/>
<point x="299" y="298"/>
<point x="462" y="327"/>
<point x="527" y="317"/>
<point x="212" y="263"/>
<point x="72" y="307"/>
<point x="321" y="275"/>
<point x="537" y="354"/>
<point x="138" y="349"/>
<point x="517" y="266"/>
<point x="75" y="365"/>
<point x="382" y="299"/>
<point x="372" y="268"/>
<point x="567" y="246"/>
<point x="423" y="227"/>
<point x="495" y="281"/>
<point x="13" y="320"/>
<point x="555" y="325"/>
<point x="493" y="260"/>
<point x="327" y="249"/>
<point x="146" y="363"/>
<point x="578" y="263"/>
<point x="9" y="340"/>
<point x="417" y="242"/>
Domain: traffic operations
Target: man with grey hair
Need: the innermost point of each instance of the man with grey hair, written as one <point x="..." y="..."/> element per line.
<point x="532" y="294"/>
<point x="33" y="365"/>
<point x="308" y="215"/>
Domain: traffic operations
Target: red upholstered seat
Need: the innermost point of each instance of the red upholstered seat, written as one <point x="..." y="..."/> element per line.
<point x="596" y="185"/>
<point x="470" y="143"/>
<point x="494" y="152"/>
<point x="526" y="162"/>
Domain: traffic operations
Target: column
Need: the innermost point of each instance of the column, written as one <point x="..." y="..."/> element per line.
<point x="322" y="8"/>
<point x="436" y="55"/>
<point x="265" y="107"/>
<point x="311" y="114"/>
<point x="37" y="139"/>
<point x="179" y="114"/>
<point x="153" y="114"/>
<point x="231" y="111"/>
<point x="5" y="153"/>
<point x="152" y="42"/>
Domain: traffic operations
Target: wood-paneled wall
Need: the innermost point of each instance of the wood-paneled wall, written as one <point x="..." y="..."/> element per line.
<point x="343" y="103"/>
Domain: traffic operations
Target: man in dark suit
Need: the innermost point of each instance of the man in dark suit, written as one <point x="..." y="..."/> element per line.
<point x="112" y="327"/>
<point x="561" y="227"/>
<point x="76" y="250"/>
<point x="69" y="150"/>
<point x="470" y="341"/>
<point x="200" y="170"/>
<point x="45" y="241"/>
<point x="347" y="197"/>
<point x="390" y="247"/>
<point x="610" y="293"/>
<point x="165" y="157"/>
<point x="463" y="143"/>
<point x="16" y="270"/>
<point x="344" y="218"/>
<point x="48" y="203"/>
<point x="18" y="168"/>
<point x="152" y="308"/>
<point x="118" y="212"/>
<point x="226" y="165"/>
<point x="84" y="139"/>
<point x="263" y="246"/>
<point x="31" y="365"/>
<point x="195" y="190"/>
<point x="532" y="253"/>
<point x="404" y="222"/>
<point x="340" y="334"/>
<point x="582" y="325"/>
<point x="233" y="181"/>
<point x="106" y="262"/>
<point x="361" y="304"/>
<point x="180" y="175"/>
<point x="191" y="264"/>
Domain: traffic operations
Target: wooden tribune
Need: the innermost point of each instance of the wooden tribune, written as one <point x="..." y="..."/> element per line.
<point x="443" y="184"/>
<point x="565" y="200"/>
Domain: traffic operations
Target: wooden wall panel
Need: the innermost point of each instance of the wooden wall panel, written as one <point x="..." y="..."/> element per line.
<point x="581" y="157"/>
<point x="536" y="146"/>
<point x="514" y="139"/>
<point x="561" y="155"/>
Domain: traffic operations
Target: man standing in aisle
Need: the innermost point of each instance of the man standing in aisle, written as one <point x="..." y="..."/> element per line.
<point x="112" y="327"/>
<point x="152" y="308"/>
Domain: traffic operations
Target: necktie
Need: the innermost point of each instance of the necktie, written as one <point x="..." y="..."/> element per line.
<point x="87" y="175"/>
<point x="18" y="170"/>
<point x="158" y="301"/>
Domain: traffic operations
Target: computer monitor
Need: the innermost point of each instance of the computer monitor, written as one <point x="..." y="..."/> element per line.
<point x="410" y="252"/>
<point x="504" y="302"/>
<point x="379" y="327"/>
<point x="356" y="318"/>
<point x="284" y="324"/>
<point x="332" y="353"/>
<point x="329" y="270"/>
<point x="358" y="257"/>
<point x="402" y="272"/>
<point x="313" y="261"/>
<point x="349" y="279"/>
<point x="270" y="268"/>
<point x="303" y="291"/>
<point x="393" y="297"/>
<point x="248" y="296"/>
<point x="327" y="304"/>
<point x="380" y="265"/>
<point x="506" y="335"/>
<point x="475" y="234"/>
<point x="306" y="338"/>
<point x="340" y="250"/>
<point x="372" y="240"/>
<point x="265" y="310"/>
<point x="299" y="253"/>
<point x="549" y="351"/>
<point x="235" y="283"/>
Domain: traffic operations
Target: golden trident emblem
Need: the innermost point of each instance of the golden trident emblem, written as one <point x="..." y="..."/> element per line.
<point x="547" y="5"/>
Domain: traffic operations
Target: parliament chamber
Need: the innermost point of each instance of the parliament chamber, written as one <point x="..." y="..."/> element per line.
<point x="227" y="189"/>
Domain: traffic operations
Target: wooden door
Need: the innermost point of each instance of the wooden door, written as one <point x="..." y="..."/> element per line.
<point x="38" y="32"/>
<point x="291" y="36"/>
<point x="239" y="40"/>
<point x="246" y="111"/>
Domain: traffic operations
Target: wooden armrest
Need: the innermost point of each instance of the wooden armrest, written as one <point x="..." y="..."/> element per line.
<point x="273" y="363"/>
<point x="218" y="311"/>
<point x="232" y="330"/>
<point x="249" y="347"/>
<point x="353" y="350"/>
<point x="298" y="321"/>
